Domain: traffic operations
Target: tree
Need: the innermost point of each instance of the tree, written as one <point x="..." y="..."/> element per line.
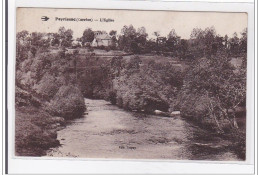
<point x="142" y="32"/>
<point x="56" y="39"/>
<point x="129" y="31"/>
<point x="133" y="65"/>
<point x="40" y="41"/>
<point x="141" y="36"/>
<point x="127" y="40"/>
<point x="113" y="33"/>
<point x="183" y="48"/>
<point x="243" y="41"/>
<point x="88" y="36"/>
<point x="65" y="37"/>
<point x="116" y="65"/>
<point x="22" y="36"/>
<point x="234" y="44"/>
<point x="172" y="40"/>
<point x="122" y="43"/>
<point x="197" y="34"/>
<point x="36" y="39"/>
<point x="218" y="87"/>
<point x="22" y="46"/>
<point x="218" y="44"/>
<point x="204" y="41"/>
<point x="209" y="39"/>
<point x="157" y="35"/>
<point x="140" y="40"/>
<point x="226" y="41"/>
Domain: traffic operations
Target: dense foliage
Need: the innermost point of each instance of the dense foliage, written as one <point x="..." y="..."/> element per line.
<point x="45" y="74"/>
<point x="146" y="87"/>
<point x="214" y="88"/>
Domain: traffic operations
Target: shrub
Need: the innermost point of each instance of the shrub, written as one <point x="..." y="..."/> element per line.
<point x="108" y="49"/>
<point x="47" y="86"/>
<point x="68" y="102"/>
<point x="25" y="66"/>
<point x="101" y="47"/>
<point x="195" y="106"/>
<point x="26" y="79"/>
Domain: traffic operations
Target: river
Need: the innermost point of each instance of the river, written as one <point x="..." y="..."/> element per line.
<point x="106" y="131"/>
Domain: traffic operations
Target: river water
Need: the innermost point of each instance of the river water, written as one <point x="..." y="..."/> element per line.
<point x="106" y="131"/>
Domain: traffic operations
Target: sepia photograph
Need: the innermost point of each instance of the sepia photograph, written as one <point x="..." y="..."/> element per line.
<point x="130" y="84"/>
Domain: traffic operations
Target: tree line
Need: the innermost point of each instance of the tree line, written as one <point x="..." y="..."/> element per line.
<point x="201" y="42"/>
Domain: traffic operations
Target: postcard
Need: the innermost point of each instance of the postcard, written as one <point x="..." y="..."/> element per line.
<point x="130" y="84"/>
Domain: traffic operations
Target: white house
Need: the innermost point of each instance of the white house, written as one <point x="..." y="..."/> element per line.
<point x="101" y="39"/>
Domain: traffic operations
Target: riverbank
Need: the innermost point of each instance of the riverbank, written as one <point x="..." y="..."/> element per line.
<point x="37" y="123"/>
<point x="45" y="96"/>
<point x="35" y="131"/>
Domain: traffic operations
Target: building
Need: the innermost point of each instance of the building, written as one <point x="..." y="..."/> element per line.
<point x="101" y="38"/>
<point x="76" y="43"/>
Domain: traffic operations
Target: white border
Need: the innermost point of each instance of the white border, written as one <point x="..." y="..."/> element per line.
<point x="28" y="166"/>
<point x="2" y="89"/>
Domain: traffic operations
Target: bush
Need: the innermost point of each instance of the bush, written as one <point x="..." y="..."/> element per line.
<point x="24" y="98"/>
<point x="25" y="66"/>
<point x="68" y="102"/>
<point x="47" y="86"/>
<point x="196" y="107"/>
<point x="25" y="79"/>
<point x="101" y="47"/>
<point x="108" y="49"/>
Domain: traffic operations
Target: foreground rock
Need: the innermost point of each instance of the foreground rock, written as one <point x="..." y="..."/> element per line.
<point x="172" y="114"/>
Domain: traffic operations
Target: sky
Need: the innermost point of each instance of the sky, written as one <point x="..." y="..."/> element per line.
<point x="163" y="21"/>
